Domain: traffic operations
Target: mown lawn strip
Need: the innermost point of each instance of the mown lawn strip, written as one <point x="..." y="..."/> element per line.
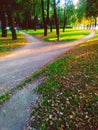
<point x="68" y="35"/>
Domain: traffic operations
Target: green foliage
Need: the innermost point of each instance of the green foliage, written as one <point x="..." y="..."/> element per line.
<point x="81" y="9"/>
<point x="22" y="84"/>
<point x="4" y="97"/>
<point x="91" y="8"/>
<point x="36" y="74"/>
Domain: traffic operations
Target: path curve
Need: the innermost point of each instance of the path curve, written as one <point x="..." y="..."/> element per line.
<point x="21" y="63"/>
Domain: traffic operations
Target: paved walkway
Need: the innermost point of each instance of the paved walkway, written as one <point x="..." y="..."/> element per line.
<point x="19" y="64"/>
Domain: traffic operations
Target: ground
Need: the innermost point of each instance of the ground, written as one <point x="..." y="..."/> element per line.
<point x="66" y="98"/>
<point x="70" y="91"/>
<point x="21" y="63"/>
<point x="7" y="44"/>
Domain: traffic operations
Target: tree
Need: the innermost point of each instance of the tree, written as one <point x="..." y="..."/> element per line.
<point x="92" y="9"/>
<point x="11" y="23"/>
<point x="45" y="19"/>
<point x="67" y="4"/>
<point x="56" y="19"/>
<point x="3" y="19"/>
<point x="7" y="8"/>
<point x="3" y="23"/>
<point x="81" y="10"/>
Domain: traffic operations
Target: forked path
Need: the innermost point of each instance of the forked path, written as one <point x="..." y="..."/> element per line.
<point x="19" y="64"/>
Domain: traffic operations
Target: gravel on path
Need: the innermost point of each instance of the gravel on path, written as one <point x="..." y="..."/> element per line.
<point x="21" y="63"/>
<point x="15" y="112"/>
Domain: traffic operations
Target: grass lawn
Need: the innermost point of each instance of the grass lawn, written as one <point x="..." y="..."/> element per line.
<point x="7" y="44"/>
<point x="68" y="35"/>
<point x="69" y="94"/>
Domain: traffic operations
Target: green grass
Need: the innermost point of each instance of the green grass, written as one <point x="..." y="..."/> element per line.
<point x="22" y="84"/>
<point x="28" y="80"/>
<point x="68" y="35"/>
<point x="36" y="74"/>
<point x="7" y="44"/>
<point x="70" y="91"/>
<point x="4" y="97"/>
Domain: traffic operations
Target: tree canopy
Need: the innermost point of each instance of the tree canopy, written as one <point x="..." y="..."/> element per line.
<point x="44" y="13"/>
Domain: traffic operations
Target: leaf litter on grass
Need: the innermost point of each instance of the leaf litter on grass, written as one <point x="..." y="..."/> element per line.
<point x="70" y="92"/>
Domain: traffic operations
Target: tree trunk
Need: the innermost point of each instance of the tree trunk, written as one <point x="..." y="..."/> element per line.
<point x="44" y="20"/>
<point x="3" y="24"/>
<point x="65" y="19"/>
<point x="56" y="20"/>
<point x="11" y="23"/>
<point x="18" y="23"/>
<point x="27" y="23"/>
<point x="35" y="22"/>
<point x="50" y="26"/>
<point x="48" y="2"/>
<point x="45" y="28"/>
<point x="48" y="19"/>
<point x="95" y="22"/>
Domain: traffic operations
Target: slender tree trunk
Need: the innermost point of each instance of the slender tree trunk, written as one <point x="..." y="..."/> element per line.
<point x="44" y="20"/>
<point x="27" y="23"/>
<point x="45" y="28"/>
<point x="56" y="20"/>
<point x="3" y="24"/>
<point x="11" y="23"/>
<point x="50" y="26"/>
<point x="48" y="20"/>
<point x="35" y="22"/>
<point x="65" y="19"/>
<point x="51" y="23"/>
<point x="26" y="20"/>
<point x="18" y="22"/>
<point x="95" y="22"/>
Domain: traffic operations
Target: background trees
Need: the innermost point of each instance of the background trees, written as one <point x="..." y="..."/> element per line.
<point x="45" y="13"/>
<point x="92" y="9"/>
<point x="69" y="10"/>
<point x="7" y="15"/>
<point x="3" y="18"/>
<point x="87" y="10"/>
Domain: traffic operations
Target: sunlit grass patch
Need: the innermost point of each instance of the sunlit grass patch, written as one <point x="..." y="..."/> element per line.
<point x="7" y="44"/>
<point x="68" y="38"/>
<point x="68" y="35"/>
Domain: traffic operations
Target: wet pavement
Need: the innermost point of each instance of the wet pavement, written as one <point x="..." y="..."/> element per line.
<point x="14" y="113"/>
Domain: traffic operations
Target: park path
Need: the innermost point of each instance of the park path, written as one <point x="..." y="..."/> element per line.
<point x="21" y="63"/>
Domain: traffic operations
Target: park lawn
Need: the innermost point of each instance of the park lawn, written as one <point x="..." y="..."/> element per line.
<point x="7" y="44"/>
<point x="68" y="35"/>
<point x="69" y="93"/>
